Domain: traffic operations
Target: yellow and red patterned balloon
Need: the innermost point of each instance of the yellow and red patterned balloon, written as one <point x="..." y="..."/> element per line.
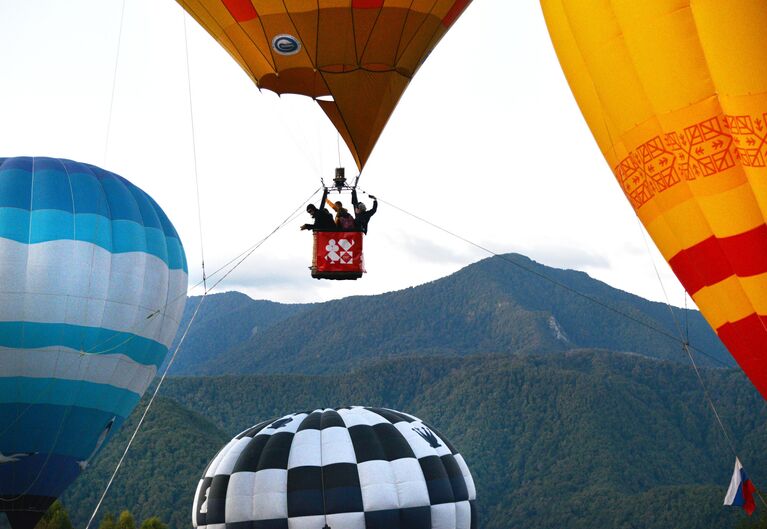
<point x="675" y="93"/>
<point x="355" y="57"/>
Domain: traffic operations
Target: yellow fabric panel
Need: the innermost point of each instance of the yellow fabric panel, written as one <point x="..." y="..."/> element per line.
<point x="574" y="67"/>
<point x="672" y="70"/>
<point x="675" y="93"/>
<point x="694" y="215"/>
<point x="733" y="34"/>
<point x="733" y="299"/>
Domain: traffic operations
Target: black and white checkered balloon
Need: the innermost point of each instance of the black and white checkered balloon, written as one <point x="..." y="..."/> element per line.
<point x="343" y="468"/>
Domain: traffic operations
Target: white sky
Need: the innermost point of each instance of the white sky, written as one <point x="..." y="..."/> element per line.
<point x="487" y="142"/>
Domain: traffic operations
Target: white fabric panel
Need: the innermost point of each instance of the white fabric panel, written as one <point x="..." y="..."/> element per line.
<point x="212" y="468"/>
<point x="443" y="516"/>
<point x="462" y="515"/>
<point x="195" y="503"/>
<point x="357" y="415"/>
<point x="239" y="497"/>
<point x="226" y="465"/>
<point x="308" y="522"/>
<point x="337" y="446"/>
<point x="378" y="485"/>
<point x="420" y="446"/>
<point x="466" y="476"/>
<point x="410" y="483"/>
<point x="270" y="498"/>
<point x="290" y="427"/>
<point x="80" y="283"/>
<point x="304" y="450"/>
<point x="346" y="520"/>
<point x="68" y="364"/>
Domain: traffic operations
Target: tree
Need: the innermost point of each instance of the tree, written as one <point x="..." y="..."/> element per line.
<point x="126" y="521"/>
<point x="56" y="517"/>
<point x="153" y="523"/>
<point x="108" y="521"/>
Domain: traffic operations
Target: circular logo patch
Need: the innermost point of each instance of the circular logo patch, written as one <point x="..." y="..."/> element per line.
<point x="286" y="44"/>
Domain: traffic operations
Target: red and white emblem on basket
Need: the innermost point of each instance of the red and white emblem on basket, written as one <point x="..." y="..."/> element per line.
<point x="340" y="252"/>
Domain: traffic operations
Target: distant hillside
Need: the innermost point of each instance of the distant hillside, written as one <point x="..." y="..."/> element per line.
<point x="224" y="321"/>
<point x="159" y="474"/>
<point x="578" y="440"/>
<point x="491" y="306"/>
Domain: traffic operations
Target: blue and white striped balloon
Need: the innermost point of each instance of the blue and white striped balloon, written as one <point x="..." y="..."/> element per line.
<point x="93" y="282"/>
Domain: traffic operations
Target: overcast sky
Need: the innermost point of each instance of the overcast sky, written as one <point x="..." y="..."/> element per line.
<point x="487" y="142"/>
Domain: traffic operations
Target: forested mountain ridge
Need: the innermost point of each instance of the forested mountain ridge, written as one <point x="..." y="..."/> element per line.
<point x="579" y="439"/>
<point x="503" y="304"/>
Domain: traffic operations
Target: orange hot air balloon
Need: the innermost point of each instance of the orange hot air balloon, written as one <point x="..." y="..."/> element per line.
<point x="675" y="93"/>
<point x="355" y="57"/>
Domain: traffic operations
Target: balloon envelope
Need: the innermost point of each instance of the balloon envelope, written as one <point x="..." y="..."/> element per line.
<point x="675" y="93"/>
<point x="346" y="468"/>
<point x="356" y="57"/>
<point x="93" y="282"/>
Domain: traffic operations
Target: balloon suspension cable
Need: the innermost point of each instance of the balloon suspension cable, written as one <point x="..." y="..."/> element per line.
<point x="238" y="260"/>
<point x="146" y="411"/>
<point x="570" y="289"/>
<point x="114" y="82"/>
<point x="194" y="150"/>
<point x="685" y="340"/>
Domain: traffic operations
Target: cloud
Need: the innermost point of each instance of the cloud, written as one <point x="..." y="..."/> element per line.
<point x="564" y="256"/>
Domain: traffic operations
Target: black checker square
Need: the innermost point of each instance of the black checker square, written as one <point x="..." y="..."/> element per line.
<point x="410" y="518"/>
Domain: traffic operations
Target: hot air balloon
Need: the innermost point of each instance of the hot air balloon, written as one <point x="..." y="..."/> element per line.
<point x="342" y="468"/>
<point x="675" y="93"/>
<point x="354" y="57"/>
<point x="93" y="283"/>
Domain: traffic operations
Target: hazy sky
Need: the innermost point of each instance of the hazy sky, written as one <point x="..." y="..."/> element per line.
<point x="487" y="142"/>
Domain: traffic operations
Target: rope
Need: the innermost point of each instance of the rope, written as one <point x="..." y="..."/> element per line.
<point x="685" y="336"/>
<point x="194" y="148"/>
<point x="114" y="81"/>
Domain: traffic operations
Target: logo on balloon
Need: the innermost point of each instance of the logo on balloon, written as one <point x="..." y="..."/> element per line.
<point x="286" y="44"/>
<point x="340" y="252"/>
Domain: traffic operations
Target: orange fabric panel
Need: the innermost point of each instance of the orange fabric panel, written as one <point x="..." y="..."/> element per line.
<point x="362" y="53"/>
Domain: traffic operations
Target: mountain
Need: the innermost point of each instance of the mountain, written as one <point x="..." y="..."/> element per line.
<point x="576" y="439"/>
<point x="224" y="321"/>
<point x="504" y="304"/>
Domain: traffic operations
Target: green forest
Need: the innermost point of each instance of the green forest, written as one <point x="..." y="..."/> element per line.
<point x="584" y="438"/>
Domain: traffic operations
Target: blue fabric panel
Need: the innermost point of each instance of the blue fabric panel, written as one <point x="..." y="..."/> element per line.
<point x="50" y="225"/>
<point x="112" y="400"/>
<point x="115" y="237"/>
<point x="65" y="186"/>
<point x="167" y="226"/>
<point x="31" y="335"/>
<point x="22" y="477"/>
<point x="53" y="428"/>
<point x="87" y="192"/>
<point x="145" y="206"/>
<point x="15" y="187"/>
<point x="51" y="189"/>
<point x="122" y="206"/>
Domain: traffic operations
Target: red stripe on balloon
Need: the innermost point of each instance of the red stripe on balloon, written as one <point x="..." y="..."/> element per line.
<point x="367" y="4"/>
<point x="746" y="340"/>
<point x="241" y="10"/>
<point x="716" y="259"/>
<point x="455" y="12"/>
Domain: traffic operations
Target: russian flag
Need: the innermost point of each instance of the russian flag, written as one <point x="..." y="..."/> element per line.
<point x="741" y="491"/>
